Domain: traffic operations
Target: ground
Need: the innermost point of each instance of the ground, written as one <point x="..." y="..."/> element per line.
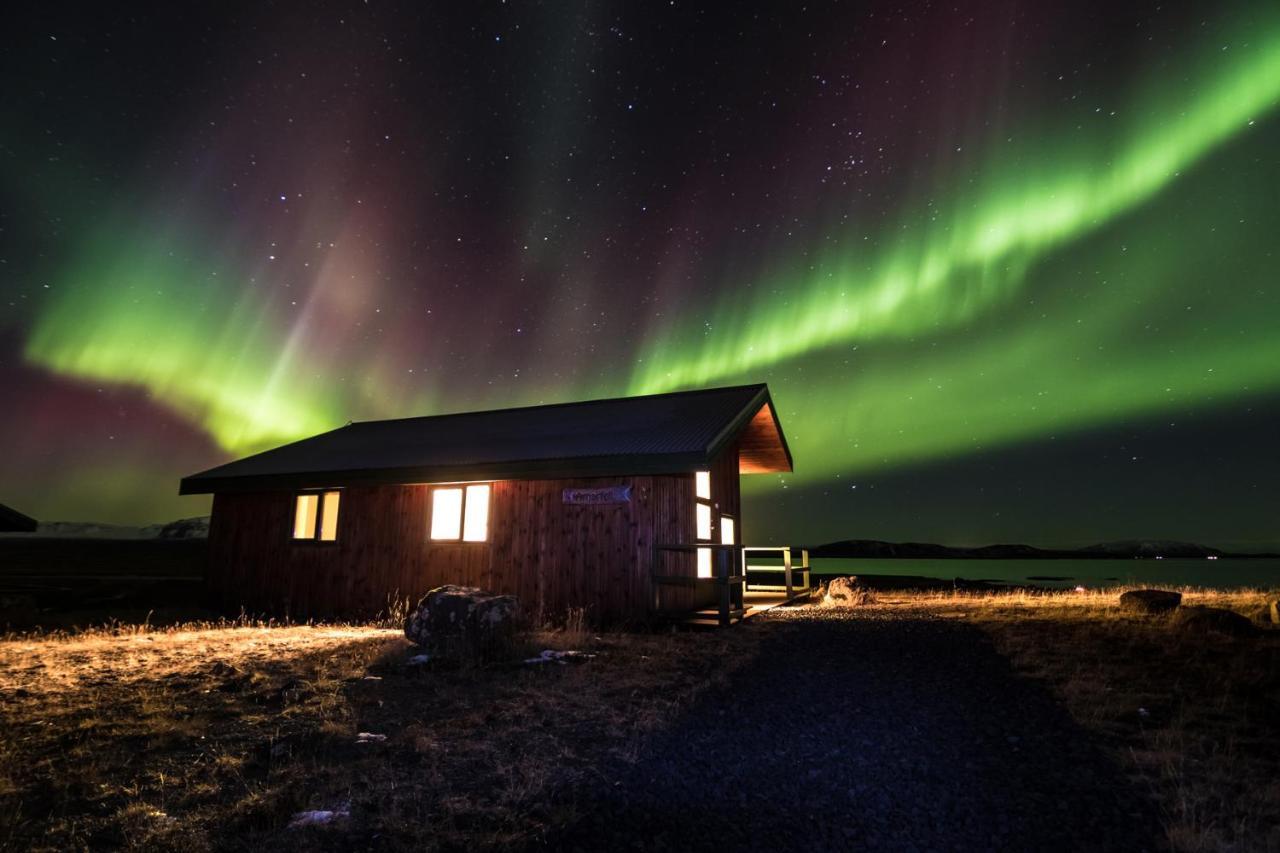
<point x="918" y="721"/>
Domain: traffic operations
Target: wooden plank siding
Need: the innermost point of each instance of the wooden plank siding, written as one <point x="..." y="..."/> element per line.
<point x="551" y="555"/>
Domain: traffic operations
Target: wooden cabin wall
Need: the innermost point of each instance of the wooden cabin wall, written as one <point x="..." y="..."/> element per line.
<point x="553" y="556"/>
<point x="673" y="501"/>
<point x="726" y="492"/>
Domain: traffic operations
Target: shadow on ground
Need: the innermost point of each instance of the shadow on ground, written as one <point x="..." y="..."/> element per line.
<point x="871" y="729"/>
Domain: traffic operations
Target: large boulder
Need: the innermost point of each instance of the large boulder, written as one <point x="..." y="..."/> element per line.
<point x="1150" y="600"/>
<point x="458" y="621"/>
<point x="846" y="592"/>
<point x="1217" y="619"/>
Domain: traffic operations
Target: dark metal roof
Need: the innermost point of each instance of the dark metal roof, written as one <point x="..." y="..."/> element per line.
<point x="12" y="521"/>
<point x="661" y="433"/>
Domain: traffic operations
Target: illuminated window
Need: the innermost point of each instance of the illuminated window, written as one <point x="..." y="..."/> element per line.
<point x="315" y="516"/>
<point x="304" y="516"/>
<point x="446" y="513"/>
<point x="704" y="562"/>
<point x="702" y="484"/>
<point x="727" y="530"/>
<point x="704" y="521"/>
<point x="475" y="526"/>
<point x="460" y="514"/>
<point x="329" y="518"/>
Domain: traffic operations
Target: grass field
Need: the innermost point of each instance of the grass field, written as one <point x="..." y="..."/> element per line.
<point x="202" y="737"/>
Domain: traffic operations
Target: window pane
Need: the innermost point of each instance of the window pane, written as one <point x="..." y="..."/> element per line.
<point x="702" y="484"/>
<point x="304" y="517"/>
<point x="704" y="562"/>
<point x="446" y="513"/>
<point x="476" y="518"/>
<point x="726" y="530"/>
<point x="704" y="521"/>
<point x="329" y="517"/>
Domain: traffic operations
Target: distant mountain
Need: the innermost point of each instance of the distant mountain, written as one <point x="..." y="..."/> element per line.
<point x="1127" y="549"/>
<point x="1151" y="549"/>
<point x="185" y="528"/>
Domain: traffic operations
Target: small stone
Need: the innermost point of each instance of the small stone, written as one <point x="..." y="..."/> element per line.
<point x="318" y="817"/>
<point x="554" y="656"/>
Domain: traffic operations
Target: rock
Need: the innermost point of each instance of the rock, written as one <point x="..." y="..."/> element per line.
<point x="846" y="592"/>
<point x="319" y="817"/>
<point x="1200" y="619"/>
<point x="1275" y="612"/>
<point x="1150" y="600"/>
<point x="463" y="621"/>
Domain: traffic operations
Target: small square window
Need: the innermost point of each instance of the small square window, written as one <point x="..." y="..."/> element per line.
<point x="702" y="485"/>
<point x="704" y="562"/>
<point x="460" y="514"/>
<point x="446" y="514"/>
<point x="304" y="516"/>
<point x="704" y="522"/>
<point x="329" y="517"/>
<point x="727" y="531"/>
<point x="315" y="516"/>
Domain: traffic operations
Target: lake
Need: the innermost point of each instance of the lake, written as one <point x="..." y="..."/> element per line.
<point x="1222" y="573"/>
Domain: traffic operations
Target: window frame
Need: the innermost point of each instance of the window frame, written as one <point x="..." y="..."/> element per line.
<point x="710" y="507"/>
<point x="704" y="563"/>
<point x="733" y="523"/>
<point x="314" y="539"/>
<point x="462" y="514"/>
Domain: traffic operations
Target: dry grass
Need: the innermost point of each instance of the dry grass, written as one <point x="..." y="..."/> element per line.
<point x="1195" y="718"/>
<point x="210" y="737"/>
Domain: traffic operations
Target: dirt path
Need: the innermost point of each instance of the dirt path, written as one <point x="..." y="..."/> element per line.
<point x="877" y="729"/>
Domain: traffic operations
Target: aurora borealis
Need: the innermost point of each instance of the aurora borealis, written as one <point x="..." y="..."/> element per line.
<point x="1009" y="272"/>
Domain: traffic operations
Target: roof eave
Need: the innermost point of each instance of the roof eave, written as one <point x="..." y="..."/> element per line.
<point x="743" y="419"/>
<point x="543" y="469"/>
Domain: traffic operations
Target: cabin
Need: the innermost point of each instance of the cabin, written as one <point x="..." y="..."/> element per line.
<point x="622" y="509"/>
<point x="12" y="521"/>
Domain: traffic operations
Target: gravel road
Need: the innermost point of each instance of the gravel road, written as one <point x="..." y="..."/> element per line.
<point x="867" y="729"/>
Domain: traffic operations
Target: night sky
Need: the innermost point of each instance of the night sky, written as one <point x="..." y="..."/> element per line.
<point x="1009" y="269"/>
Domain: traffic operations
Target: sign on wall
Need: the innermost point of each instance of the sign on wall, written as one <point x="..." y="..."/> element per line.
<point x="598" y="496"/>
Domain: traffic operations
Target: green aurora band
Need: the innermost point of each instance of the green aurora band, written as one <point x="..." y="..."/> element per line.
<point x="926" y="350"/>
<point x="154" y="312"/>
<point x="936" y="346"/>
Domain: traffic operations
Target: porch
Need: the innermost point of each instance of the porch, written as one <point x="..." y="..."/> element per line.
<point x="732" y="582"/>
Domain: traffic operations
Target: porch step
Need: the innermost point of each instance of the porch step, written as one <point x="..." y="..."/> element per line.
<point x="710" y="618"/>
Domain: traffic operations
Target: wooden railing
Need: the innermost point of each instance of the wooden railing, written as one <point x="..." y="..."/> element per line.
<point x="786" y="566"/>
<point x="731" y="568"/>
<point x="726" y="576"/>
